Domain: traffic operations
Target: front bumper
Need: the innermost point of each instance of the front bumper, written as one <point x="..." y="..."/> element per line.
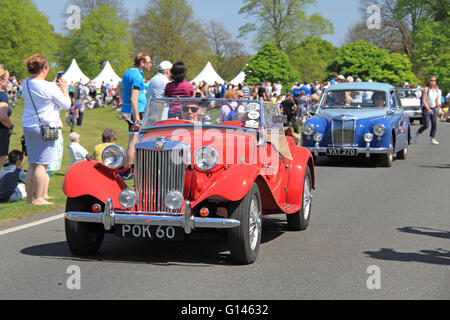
<point x="110" y="218"/>
<point x="414" y="114"/>
<point x="368" y="150"/>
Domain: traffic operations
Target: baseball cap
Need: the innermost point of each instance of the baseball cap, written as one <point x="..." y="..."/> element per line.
<point x="341" y="77"/>
<point x="165" y="65"/>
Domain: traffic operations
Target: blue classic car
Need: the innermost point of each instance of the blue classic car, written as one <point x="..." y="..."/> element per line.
<point x="359" y="119"/>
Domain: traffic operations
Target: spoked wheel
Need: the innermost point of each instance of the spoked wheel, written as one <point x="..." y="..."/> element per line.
<point x="245" y="240"/>
<point x="300" y="220"/>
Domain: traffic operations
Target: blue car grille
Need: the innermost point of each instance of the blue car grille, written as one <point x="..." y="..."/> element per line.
<point x="343" y="132"/>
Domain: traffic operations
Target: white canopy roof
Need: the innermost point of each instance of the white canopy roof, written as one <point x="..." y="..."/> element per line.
<point x="74" y="74"/>
<point x="240" y="79"/>
<point x="108" y="76"/>
<point x="209" y="75"/>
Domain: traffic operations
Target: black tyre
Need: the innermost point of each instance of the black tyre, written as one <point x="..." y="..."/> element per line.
<point x="300" y="220"/>
<point x="402" y="154"/>
<point x="388" y="158"/>
<point x="245" y="240"/>
<point x="83" y="238"/>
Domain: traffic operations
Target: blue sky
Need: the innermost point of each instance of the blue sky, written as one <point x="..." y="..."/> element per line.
<point x="343" y="13"/>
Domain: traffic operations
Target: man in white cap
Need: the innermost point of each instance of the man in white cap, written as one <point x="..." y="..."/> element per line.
<point x="158" y="83"/>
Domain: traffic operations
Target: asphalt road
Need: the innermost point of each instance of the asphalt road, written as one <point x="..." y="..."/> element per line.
<point x="375" y="233"/>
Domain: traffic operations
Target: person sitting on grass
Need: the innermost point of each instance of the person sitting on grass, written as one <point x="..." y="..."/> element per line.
<point x="109" y="137"/>
<point x="76" y="151"/>
<point x="13" y="178"/>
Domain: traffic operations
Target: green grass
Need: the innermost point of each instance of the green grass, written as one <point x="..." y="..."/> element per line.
<point x="94" y="122"/>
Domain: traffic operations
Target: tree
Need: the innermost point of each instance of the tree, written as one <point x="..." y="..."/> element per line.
<point x="282" y="21"/>
<point x="87" y="6"/>
<point x="432" y="56"/>
<point x="270" y="64"/>
<point x="366" y="61"/>
<point x="311" y="58"/>
<point x="227" y="54"/>
<point x="103" y="36"/>
<point x="25" y="31"/>
<point x="168" y="30"/>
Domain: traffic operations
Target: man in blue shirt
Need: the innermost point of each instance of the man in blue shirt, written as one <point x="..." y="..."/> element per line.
<point x="13" y="178"/>
<point x="134" y="99"/>
<point x="305" y="87"/>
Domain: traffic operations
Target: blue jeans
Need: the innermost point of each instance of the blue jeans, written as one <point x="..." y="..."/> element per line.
<point x="426" y="118"/>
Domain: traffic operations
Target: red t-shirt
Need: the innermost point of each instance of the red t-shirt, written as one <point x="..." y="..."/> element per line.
<point x="178" y="90"/>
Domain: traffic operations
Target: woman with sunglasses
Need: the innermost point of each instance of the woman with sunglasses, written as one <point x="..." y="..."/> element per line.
<point x="431" y="104"/>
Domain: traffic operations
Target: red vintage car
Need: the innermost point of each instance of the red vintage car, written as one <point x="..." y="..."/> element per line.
<point x="222" y="165"/>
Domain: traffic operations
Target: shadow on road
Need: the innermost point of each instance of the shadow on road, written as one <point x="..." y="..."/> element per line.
<point x="439" y="166"/>
<point x="438" y="256"/>
<point x="200" y="250"/>
<point x="347" y="162"/>
<point x="429" y="232"/>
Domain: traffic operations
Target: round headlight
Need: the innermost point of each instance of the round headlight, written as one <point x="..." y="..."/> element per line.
<point x="128" y="198"/>
<point x="308" y="129"/>
<point x="113" y="157"/>
<point x="318" y="137"/>
<point x="174" y="200"/>
<point x="368" y="137"/>
<point x="379" y="130"/>
<point x="206" y="158"/>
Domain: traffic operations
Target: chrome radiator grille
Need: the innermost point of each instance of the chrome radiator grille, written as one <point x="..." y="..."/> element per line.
<point x="156" y="174"/>
<point x="343" y="132"/>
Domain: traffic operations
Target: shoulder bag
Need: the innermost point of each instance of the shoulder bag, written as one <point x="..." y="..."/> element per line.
<point x="48" y="133"/>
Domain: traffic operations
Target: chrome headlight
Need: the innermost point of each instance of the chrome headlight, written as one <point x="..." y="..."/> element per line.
<point x="206" y="158"/>
<point x="174" y="200"/>
<point x="318" y="137"/>
<point x="308" y="129"/>
<point x="113" y="156"/>
<point x="368" y="137"/>
<point x="379" y="130"/>
<point x="128" y="198"/>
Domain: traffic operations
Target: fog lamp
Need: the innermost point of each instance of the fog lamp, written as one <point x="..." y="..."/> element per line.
<point x="128" y="198"/>
<point x="318" y="137"/>
<point x="174" y="200"/>
<point x="368" y="137"/>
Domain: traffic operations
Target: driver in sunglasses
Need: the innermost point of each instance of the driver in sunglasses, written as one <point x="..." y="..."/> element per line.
<point x="191" y="112"/>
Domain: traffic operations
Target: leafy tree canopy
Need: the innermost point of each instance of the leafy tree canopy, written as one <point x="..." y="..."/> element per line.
<point x="366" y="61"/>
<point x="103" y="36"/>
<point x="282" y="22"/>
<point x="270" y="64"/>
<point x="25" y="31"/>
<point x="311" y="58"/>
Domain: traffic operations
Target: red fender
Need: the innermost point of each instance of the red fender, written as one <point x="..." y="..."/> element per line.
<point x="94" y="179"/>
<point x="302" y="160"/>
<point x="231" y="183"/>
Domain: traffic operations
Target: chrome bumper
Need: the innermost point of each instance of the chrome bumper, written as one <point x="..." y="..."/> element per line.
<point x="368" y="150"/>
<point x="109" y="219"/>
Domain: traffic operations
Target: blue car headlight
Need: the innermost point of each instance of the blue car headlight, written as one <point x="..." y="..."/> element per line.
<point x="379" y="130"/>
<point x="308" y="129"/>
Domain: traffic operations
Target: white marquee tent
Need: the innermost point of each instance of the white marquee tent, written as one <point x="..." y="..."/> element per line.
<point x="74" y="74"/>
<point x="240" y="79"/>
<point x="108" y="76"/>
<point x="209" y="75"/>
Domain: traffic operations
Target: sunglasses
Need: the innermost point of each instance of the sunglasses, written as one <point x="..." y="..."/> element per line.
<point x="193" y="109"/>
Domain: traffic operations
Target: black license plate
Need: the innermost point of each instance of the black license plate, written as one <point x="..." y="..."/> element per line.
<point x="163" y="233"/>
<point x="342" y="152"/>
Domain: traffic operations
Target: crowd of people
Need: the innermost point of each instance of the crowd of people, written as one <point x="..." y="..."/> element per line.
<point x="42" y="126"/>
